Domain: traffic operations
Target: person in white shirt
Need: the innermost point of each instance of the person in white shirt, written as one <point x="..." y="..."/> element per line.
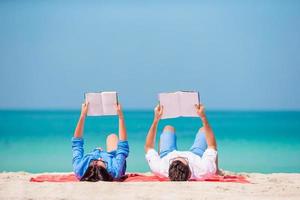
<point x="196" y="164"/>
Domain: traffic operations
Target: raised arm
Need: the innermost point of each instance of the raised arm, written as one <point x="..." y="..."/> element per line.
<point x="209" y="134"/>
<point x="150" y="139"/>
<point x="123" y="147"/>
<point x="122" y="128"/>
<point x="77" y="142"/>
<point x="80" y="125"/>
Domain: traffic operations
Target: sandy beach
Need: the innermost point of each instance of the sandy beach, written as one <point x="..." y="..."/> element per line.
<point x="16" y="185"/>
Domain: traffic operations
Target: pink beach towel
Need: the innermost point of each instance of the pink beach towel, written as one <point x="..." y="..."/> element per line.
<point x="134" y="178"/>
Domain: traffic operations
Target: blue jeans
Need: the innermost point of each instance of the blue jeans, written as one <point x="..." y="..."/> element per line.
<point x="168" y="143"/>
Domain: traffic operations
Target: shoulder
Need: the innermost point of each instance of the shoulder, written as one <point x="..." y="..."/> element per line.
<point x="210" y="153"/>
<point x="151" y="153"/>
<point x="207" y="166"/>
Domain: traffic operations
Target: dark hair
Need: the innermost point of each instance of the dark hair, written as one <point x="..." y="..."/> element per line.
<point x="178" y="171"/>
<point x="96" y="173"/>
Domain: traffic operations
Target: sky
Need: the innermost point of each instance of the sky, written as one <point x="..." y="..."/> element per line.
<point x="240" y="55"/>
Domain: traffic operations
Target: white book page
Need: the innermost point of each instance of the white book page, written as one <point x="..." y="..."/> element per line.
<point x="187" y="103"/>
<point x="95" y="104"/>
<point x="170" y="103"/>
<point x="109" y="100"/>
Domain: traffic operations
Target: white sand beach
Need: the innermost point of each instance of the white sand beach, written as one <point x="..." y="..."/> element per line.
<point x="16" y="185"/>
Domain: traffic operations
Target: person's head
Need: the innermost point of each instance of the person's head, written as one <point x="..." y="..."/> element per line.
<point x="179" y="170"/>
<point x="96" y="172"/>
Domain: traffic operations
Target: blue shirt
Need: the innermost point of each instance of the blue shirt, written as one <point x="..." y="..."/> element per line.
<point x="116" y="160"/>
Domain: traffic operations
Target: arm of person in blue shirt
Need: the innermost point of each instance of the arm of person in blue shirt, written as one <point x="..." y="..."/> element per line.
<point x="77" y="141"/>
<point x="123" y="147"/>
<point x="121" y="155"/>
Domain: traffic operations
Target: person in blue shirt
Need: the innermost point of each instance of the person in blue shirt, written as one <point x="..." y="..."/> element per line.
<point x="100" y="165"/>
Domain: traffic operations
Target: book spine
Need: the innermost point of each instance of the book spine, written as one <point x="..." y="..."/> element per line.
<point x="117" y="97"/>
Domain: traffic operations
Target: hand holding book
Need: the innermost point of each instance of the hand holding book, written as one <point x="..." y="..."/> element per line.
<point x="118" y="108"/>
<point x="200" y="110"/>
<point x="84" y="109"/>
<point x="158" y="111"/>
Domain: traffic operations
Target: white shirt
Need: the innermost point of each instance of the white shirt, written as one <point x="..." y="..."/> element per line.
<point x="200" y="167"/>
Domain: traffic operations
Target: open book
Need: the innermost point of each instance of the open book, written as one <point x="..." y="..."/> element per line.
<point x="179" y="104"/>
<point x="101" y="103"/>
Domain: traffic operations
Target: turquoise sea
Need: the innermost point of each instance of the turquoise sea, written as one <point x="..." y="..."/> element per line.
<point x="39" y="141"/>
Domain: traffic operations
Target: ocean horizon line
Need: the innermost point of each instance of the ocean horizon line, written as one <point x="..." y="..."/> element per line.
<point x="143" y="110"/>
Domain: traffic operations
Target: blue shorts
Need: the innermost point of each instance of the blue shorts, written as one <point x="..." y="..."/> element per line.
<point x="168" y="143"/>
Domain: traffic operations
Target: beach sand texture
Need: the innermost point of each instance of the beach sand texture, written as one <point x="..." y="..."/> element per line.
<point x="16" y="185"/>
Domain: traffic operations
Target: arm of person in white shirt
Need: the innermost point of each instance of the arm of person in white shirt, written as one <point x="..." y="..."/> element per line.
<point x="152" y="156"/>
<point x="150" y="139"/>
<point x="209" y="134"/>
<point x="154" y="163"/>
